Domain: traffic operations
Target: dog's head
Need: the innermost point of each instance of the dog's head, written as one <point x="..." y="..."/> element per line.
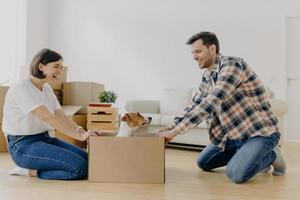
<point x="135" y="120"/>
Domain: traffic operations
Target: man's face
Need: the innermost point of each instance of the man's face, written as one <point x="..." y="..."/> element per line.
<point x="202" y="55"/>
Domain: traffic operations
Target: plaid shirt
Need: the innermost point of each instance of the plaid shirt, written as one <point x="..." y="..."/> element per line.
<point x="233" y="100"/>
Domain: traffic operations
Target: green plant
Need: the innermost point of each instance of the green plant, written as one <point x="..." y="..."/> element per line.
<point x="108" y="97"/>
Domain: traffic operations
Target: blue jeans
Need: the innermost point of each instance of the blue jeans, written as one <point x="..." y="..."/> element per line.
<point x="244" y="159"/>
<point x="51" y="157"/>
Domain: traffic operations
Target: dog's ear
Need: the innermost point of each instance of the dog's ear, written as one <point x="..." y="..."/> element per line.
<point x="125" y="118"/>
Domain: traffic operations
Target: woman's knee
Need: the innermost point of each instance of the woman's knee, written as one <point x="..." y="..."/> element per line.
<point x="80" y="169"/>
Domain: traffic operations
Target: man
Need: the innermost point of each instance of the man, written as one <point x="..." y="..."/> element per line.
<point x="243" y="130"/>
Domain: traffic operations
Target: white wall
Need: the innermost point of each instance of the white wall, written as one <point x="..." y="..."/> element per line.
<point x="8" y="39"/>
<point x="37" y="31"/>
<point x="137" y="47"/>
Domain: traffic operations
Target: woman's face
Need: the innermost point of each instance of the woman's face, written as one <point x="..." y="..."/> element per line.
<point x="52" y="70"/>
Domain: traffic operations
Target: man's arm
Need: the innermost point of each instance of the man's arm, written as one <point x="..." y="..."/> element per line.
<point x="229" y="78"/>
<point x="196" y="100"/>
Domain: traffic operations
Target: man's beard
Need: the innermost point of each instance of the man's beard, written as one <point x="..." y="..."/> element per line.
<point x="203" y="66"/>
<point x="207" y="64"/>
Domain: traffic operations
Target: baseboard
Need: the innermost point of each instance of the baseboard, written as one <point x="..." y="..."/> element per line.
<point x="185" y="146"/>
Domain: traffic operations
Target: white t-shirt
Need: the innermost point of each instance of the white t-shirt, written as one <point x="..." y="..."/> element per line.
<point x="20" y="100"/>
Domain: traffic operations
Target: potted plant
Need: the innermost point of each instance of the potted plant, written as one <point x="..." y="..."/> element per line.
<point x="107" y="97"/>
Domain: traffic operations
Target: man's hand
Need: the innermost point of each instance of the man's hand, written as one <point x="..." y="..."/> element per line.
<point x="168" y="134"/>
<point x="163" y="129"/>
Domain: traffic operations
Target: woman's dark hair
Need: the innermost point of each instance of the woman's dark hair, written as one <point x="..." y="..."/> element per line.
<point x="208" y="39"/>
<point x="44" y="57"/>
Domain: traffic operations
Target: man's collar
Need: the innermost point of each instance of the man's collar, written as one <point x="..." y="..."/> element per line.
<point x="215" y="67"/>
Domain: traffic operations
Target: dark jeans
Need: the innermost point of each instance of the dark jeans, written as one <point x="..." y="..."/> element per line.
<point x="244" y="159"/>
<point x="51" y="157"/>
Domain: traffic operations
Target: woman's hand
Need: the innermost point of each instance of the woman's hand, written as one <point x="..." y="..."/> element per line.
<point x="94" y="133"/>
<point x="84" y="136"/>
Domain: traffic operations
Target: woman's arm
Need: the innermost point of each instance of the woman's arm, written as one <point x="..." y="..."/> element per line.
<point x="56" y="122"/>
<point x="61" y="115"/>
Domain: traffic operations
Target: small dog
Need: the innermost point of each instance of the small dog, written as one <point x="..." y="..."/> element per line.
<point x="131" y="122"/>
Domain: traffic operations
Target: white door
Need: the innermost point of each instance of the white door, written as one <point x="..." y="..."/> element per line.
<point x="293" y="78"/>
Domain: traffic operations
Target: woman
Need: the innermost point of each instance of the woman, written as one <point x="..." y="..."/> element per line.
<point x="30" y="111"/>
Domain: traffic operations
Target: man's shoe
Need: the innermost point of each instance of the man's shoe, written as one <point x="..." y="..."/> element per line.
<point x="278" y="164"/>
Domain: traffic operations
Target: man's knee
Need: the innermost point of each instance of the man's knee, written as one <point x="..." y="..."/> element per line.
<point x="236" y="175"/>
<point x="202" y="164"/>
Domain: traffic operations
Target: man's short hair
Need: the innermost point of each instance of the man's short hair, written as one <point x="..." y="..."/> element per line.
<point x="208" y="39"/>
<point x="44" y="57"/>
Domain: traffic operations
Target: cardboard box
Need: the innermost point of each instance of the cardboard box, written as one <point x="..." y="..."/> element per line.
<point x="81" y="93"/>
<point x="103" y="126"/>
<point x="3" y="91"/>
<point x="58" y="84"/>
<point x="59" y="96"/>
<point x="3" y="144"/>
<point x="102" y="118"/>
<point x="81" y="121"/>
<point x="126" y="159"/>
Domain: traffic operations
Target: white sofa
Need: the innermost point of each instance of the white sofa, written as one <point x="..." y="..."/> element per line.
<point x="173" y="102"/>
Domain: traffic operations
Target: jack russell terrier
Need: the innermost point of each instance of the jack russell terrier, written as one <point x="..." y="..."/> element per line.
<point x="131" y="122"/>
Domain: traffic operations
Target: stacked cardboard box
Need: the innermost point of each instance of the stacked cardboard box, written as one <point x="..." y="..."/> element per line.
<point x="104" y="119"/>
<point x="3" y="144"/>
<point x="59" y="96"/>
<point x="81" y="93"/>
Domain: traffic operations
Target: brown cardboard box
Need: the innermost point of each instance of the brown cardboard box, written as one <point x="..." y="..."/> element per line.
<point x="3" y="145"/>
<point x="102" y="118"/>
<point x="58" y="84"/>
<point x="126" y="159"/>
<point x="81" y="93"/>
<point x="59" y="96"/>
<point x="81" y="121"/>
<point x="3" y="91"/>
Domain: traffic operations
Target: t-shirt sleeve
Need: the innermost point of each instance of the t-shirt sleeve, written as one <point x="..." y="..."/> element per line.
<point x="54" y="102"/>
<point x="26" y="99"/>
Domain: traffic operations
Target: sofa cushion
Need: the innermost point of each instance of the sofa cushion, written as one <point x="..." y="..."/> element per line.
<point x="169" y="119"/>
<point x="142" y="106"/>
<point x="173" y="101"/>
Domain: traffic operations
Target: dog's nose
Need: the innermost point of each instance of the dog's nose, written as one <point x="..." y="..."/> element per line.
<point x="150" y="118"/>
